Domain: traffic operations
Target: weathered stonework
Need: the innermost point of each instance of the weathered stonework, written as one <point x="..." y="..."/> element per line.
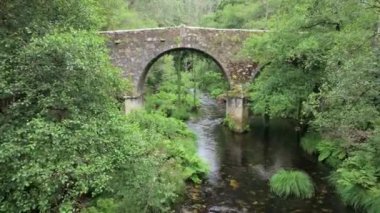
<point x="134" y="51"/>
<point x="237" y="114"/>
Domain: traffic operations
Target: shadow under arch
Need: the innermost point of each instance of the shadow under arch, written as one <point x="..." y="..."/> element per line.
<point x="141" y="82"/>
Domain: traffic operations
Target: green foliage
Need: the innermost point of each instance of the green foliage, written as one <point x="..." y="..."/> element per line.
<point x="152" y="183"/>
<point x="61" y="138"/>
<point x="173" y="84"/>
<point x="357" y="178"/>
<point x="347" y="108"/>
<point x="309" y="143"/>
<point x="242" y="14"/>
<point x="64" y="75"/>
<point x="229" y="122"/>
<point x="174" y="12"/>
<point x="169" y="90"/>
<point x="361" y="199"/>
<point x="319" y="64"/>
<point x="356" y="175"/>
<point x="317" y="61"/>
<point x="292" y="183"/>
<point x="103" y="206"/>
<point x="272" y="94"/>
<point x="179" y="141"/>
<point x="209" y="77"/>
<point x="166" y="103"/>
<point x="333" y="152"/>
<point x="22" y="20"/>
<point x="292" y="64"/>
<point x="119" y="16"/>
<point x="168" y="127"/>
<point x="163" y="158"/>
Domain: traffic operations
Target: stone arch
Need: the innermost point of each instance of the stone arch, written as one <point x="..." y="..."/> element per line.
<point x="144" y="74"/>
<point x="134" y="51"/>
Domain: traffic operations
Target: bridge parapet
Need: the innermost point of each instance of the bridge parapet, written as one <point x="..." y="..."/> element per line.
<point x="134" y="51"/>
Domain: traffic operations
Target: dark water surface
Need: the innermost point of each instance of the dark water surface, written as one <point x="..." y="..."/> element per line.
<point x="241" y="164"/>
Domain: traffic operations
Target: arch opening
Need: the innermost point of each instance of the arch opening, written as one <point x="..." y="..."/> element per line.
<point x="204" y="54"/>
<point x="177" y="81"/>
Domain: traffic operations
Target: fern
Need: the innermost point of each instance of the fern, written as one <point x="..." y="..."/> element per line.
<point x="357" y="179"/>
<point x="359" y="197"/>
<point x="332" y="152"/>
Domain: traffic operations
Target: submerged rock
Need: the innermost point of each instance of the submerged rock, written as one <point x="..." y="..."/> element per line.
<point x="234" y="184"/>
<point x="222" y="209"/>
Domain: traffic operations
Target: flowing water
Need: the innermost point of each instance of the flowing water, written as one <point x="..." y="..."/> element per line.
<point x="241" y="165"/>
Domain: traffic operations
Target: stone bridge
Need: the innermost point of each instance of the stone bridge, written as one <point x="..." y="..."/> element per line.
<point x="134" y="51"/>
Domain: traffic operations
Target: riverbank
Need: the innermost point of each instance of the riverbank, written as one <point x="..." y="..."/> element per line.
<point x="241" y="165"/>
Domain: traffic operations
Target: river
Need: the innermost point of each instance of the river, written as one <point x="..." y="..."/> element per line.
<point x="241" y="165"/>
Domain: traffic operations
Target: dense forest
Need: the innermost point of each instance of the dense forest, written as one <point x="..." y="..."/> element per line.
<point x="66" y="146"/>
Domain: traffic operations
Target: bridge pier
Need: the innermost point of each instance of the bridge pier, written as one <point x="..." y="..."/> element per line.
<point x="237" y="118"/>
<point x="132" y="103"/>
<point x="237" y="114"/>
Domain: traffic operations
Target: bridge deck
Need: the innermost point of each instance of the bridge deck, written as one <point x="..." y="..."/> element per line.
<point x="185" y="27"/>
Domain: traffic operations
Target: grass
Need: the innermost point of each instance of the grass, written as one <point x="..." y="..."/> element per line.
<point x="291" y="183"/>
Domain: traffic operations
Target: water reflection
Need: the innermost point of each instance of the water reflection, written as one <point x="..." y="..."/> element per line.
<point x="241" y="165"/>
<point x="207" y="144"/>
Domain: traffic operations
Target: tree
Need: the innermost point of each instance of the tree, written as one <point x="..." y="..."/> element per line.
<point x="51" y="142"/>
<point x="118" y="15"/>
<point x="242" y="14"/>
<point x="63" y="138"/>
<point x="174" y="12"/>
<point x="325" y="54"/>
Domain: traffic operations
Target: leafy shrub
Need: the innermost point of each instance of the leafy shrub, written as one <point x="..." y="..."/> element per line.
<point x="173" y="92"/>
<point x="168" y="90"/>
<point x="292" y="183"/>
<point x="176" y="140"/>
<point x="63" y="137"/>
<point x="194" y="167"/>
<point x="166" y="103"/>
<point x="356" y="171"/>
<point x="66" y="138"/>
<point x="332" y="152"/>
<point x="354" y="194"/>
<point x="103" y="206"/>
<point x="154" y="175"/>
<point x="227" y="121"/>
<point x="168" y="127"/>
<point x="357" y="179"/>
